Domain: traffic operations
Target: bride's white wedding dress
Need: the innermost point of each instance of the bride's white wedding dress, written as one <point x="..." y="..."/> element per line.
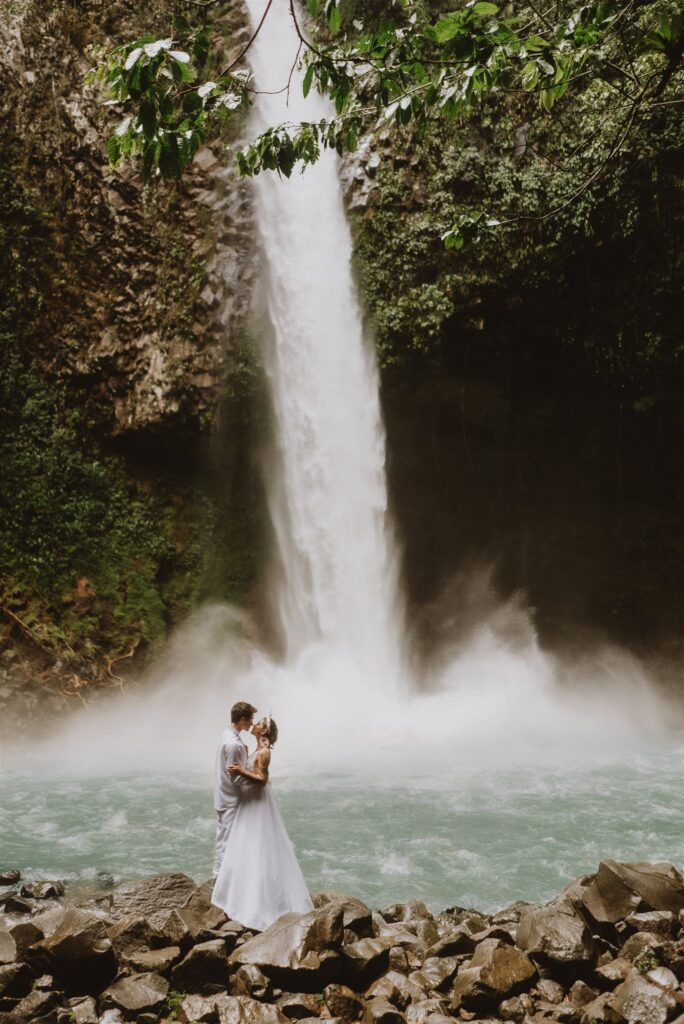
<point x="259" y="878"/>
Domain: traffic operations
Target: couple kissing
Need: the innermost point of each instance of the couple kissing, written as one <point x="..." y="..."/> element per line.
<point x="257" y="875"/>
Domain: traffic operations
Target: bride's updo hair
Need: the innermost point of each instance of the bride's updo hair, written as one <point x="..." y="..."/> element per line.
<point x="270" y="730"/>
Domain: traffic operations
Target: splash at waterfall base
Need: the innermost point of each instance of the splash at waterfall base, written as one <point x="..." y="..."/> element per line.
<point x="608" y="950"/>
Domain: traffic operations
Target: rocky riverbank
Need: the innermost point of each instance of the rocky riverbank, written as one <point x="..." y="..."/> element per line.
<point x="608" y="950"/>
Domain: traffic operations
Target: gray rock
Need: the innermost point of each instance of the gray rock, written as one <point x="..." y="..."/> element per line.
<point x="15" y="979"/>
<point x="495" y="971"/>
<point x="84" y="1010"/>
<point x="299" y="1006"/>
<point x="413" y="910"/>
<point x="297" y="951"/>
<point x="78" y="953"/>
<point x="8" y="947"/>
<point x="379" y="1011"/>
<point x="343" y="1003"/>
<point x="204" y="968"/>
<point x="657" y="922"/>
<point x="10" y="877"/>
<point x="44" y="890"/>
<point x="151" y="895"/>
<point x="555" y="933"/>
<point x="250" y="980"/>
<point x="356" y="916"/>
<point x="136" y="994"/>
<point x="645" y="998"/>
<point x="618" y="890"/>
<point x="157" y="961"/>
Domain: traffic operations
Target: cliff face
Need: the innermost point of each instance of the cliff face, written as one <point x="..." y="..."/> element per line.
<point x="125" y="364"/>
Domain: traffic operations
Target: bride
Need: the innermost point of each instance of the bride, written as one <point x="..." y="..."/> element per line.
<point x="259" y="878"/>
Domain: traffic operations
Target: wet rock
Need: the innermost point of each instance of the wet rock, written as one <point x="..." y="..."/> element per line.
<point x="43" y="890"/>
<point x="550" y="990"/>
<point x="396" y="989"/>
<point x="130" y="935"/>
<point x="432" y="1011"/>
<point x="555" y="933"/>
<point x="618" y="890"/>
<point x="403" y="934"/>
<point x="169" y="929"/>
<point x="204" y="968"/>
<point x="25" y="934"/>
<point x="436" y="973"/>
<point x="645" y="998"/>
<point x="78" y="953"/>
<point x="201" y="917"/>
<point x="157" y="961"/>
<point x="15" y="979"/>
<point x="356" y="916"/>
<point x="413" y="910"/>
<point x="656" y="922"/>
<point x="8" y="947"/>
<point x="366" y="959"/>
<point x="10" y="877"/>
<point x="379" y="1011"/>
<point x="36" y="1008"/>
<point x="136" y="994"/>
<point x="299" y="1006"/>
<point x="611" y="974"/>
<point x="84" y="1010"/>
<point x="512" y="914"/>
<point x="149" y="896"/>
<point x="398" y="960"/>
<point x="297" y="952"/>
<point x="14" y="904"/>
<point x="495" y="971"/>
<point x="342" y="1002"/>
<point x="250" y="980"/>
<point x="458" y="941"/>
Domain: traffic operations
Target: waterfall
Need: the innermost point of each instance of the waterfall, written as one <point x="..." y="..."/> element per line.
<point x="327" y="490"/>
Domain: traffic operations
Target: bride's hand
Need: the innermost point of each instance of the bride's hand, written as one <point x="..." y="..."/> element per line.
<point x="235" y="769"/>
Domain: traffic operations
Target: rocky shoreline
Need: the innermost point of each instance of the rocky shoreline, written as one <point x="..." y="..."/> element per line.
<point x="608" y="950"/>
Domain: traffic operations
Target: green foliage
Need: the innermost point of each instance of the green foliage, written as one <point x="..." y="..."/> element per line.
<point x="646" y="960"/>
<point x="172" y="1003"/>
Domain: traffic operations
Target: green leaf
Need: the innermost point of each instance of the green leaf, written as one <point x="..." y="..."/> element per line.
<point x="148" y="117"/>
<point x="530" y="76"/>
<point x="314" y="7"/>
<point x="308" y="79"/>
<point x="485" y="9"/>
<point x="446" y="29"/>
<point x="113" y="150"/>
<point x="334" y="20"/>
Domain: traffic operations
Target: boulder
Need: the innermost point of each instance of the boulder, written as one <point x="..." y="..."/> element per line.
<point x="204" y="968"/>
<point x="201" y="917"/>
<point x="25" y="934"/>
<point x="14" y="904"/>
<point x="356" y="916"/>
<point x="299" y="1005"/>
<point x="129" y="935"/>
<point x="550" y="990"/>
<point x="398" y="960"/>
<point x="343" y="1003"/>
<point x="297" y="951"/>
<point x="78" y="953"/>
<point x="599" y="1010"/>
<point x="516" y="1008"/>
<point x="397" y="989"/>
<point x="250" y="980"/>
<point x="404" y="935"/>
<point x="135" y="994"/>
<point x="458" y="941"/>
<point x="379" y="1011"/>
<point x="436" y="973"/>
<point x="428" y="1011"/>
<point x="366" y="959"/>
<point x="83" y="1010"/>
<point x="512" y="914"/>
<point x="656" y="922"/>
<point x="580" y="994"/>
<point x="641" y="944"/>
<point x="156" y="961"/>
<point x="36" y="1008"/>
<point x="151" y="895"/>
<point x="197" y="1008"/>
<point x="15" y="980"/>
<point x="413" y="910"/>
<point x="169" y="929"/>
<point x="495" y="971"/>
<point x="243" y="1010"/>
<point x="8" y="947"/>
<point x="44" y="890"/>
<point x="612" y="973"/>
<point x="645" y="998"/>
<point x="10" y="877"/>
<point x="555" y="933"/>
<point x="618" y="890"/>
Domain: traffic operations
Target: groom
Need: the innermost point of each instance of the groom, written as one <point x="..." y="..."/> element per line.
<point x="231" y="750"/>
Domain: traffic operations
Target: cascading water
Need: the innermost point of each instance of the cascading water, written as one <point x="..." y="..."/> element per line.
<point x="328" y="495"/>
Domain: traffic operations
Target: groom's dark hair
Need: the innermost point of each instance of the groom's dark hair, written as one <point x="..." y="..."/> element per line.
<point x="241" y="710"/>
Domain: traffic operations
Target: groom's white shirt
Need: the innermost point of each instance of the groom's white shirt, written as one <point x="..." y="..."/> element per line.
<point x="231" y="750"/>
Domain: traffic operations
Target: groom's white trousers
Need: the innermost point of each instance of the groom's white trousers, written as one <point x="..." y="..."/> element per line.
<point x="224" y="824"/>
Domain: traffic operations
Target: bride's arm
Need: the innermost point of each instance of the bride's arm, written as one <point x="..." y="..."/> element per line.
<point x="260" y="773"/>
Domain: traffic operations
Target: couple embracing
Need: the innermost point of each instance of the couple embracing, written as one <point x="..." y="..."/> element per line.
<point x="257" y="876"/>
